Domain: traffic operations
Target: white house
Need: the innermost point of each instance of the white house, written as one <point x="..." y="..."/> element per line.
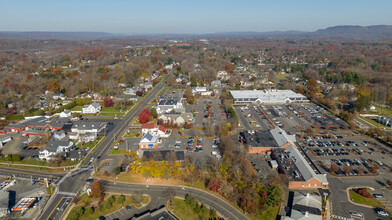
<point x="216" y="83"/>
<point x="58" y="135"/>
<point x="202" y="91"/>
<point x="155" y="129"/>
<point x="86" y="131"/>
<point x="65" y="114"/>
<point x="169" y="105"/>
<point x="222" y="75"/>
<point x="147" y="85"/>
<point x="53" y="147"/>
<point x="92" y="108"/>
<point x="131" y="91"/>
<point x="58" y="96"/>
<point x="177" y="119"/>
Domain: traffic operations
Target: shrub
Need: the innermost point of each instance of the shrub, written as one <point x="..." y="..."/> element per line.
<point x="121" y="199"/>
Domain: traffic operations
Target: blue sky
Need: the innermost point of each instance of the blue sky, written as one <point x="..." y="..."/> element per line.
<point x="189" y="16"/>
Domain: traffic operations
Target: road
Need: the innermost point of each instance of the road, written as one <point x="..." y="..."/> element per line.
<point x="162" y="193"/>
<point x="74" y="183"/>
<point x="28" y="173"/>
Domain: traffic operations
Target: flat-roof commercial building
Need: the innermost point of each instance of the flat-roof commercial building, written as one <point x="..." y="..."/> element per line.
<point x="263" y="141"/>
<point x="301" y="174"/>
<point x="266" y="96"/>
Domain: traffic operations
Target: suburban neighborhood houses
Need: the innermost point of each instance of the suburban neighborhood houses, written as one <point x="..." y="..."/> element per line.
<point x="218" y="126"/>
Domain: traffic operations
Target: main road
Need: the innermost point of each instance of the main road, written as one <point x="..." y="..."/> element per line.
<point x="72" y="183"/>
<point x="160" y="191"/>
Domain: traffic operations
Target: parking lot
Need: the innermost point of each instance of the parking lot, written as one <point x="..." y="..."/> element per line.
<point x="352" y="155"/>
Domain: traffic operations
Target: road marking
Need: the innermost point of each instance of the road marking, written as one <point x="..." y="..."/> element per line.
<point x="67" y="193"/>
<point x="55" y="208"/>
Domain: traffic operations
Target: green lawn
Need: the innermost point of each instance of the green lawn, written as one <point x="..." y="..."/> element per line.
<point x="117" y="151"/>
<point x="370" y="121"/>
<point x="270" y="213"/>
<point x="384" y="111"/>
<point x="131" y="134"/>
<point x="110" y="111"/>
<point x="76" y="108"/>
<point x="356" y="198"/>
<point x="183" y="211"/>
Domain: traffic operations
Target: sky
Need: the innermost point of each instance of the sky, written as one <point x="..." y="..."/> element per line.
<point x="189" y="16"/>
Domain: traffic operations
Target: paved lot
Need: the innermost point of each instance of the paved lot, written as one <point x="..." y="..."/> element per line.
<point x="13" y="147"/>
<point x="341" y="205"/>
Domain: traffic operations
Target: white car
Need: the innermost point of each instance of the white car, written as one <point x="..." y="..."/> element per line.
<point x="357" y="214"/>
<point x="214" y="153"/>
<point x="214" y="146"/>
<point x="382" y="212"/>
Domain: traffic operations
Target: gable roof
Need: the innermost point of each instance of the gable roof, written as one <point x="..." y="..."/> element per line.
<point x="161" y="128"/>
<point x="96" y="105"/>
<point x="148" y="126"/>
<point x="281" y="137"/>
<point x="53" y="145"/>
<point x="149" y="138"/>
<point x="304" y="167"/>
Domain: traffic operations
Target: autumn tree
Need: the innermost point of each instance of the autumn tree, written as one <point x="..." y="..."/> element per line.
<point x="333" y="168"/>
<point x="54" y="86"/>
<point x="311" y="84"/>
<point x="144" y="116"/>
<point x="97" y="190"/>
<point x="213" y="184"/>
<point x="107" y="101"/>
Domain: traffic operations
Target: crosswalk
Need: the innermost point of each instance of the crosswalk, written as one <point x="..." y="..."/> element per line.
<point x="341" y="217"/>
<point x="67" y="193"/>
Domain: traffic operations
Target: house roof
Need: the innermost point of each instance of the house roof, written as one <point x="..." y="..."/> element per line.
<point x="66" y="111"/>
<point x="170" y="102"/>
<point x="161" y="128"/>
<point x="40" y="121"/>
<point x="96" y="105"/>
<point x="149" y="138"/>
<point x="148" y="126"/>
<point x="53" y="145"/>
<point x="84" y="125"/>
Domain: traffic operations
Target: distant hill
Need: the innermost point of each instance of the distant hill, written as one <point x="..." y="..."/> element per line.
<point x="376" y="32"/>
<point x="253" y="33"/>
<point x="43" y="35"/>
<point x="369" y="33"/>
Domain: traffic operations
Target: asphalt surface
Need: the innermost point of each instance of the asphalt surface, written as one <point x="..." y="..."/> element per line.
<point x="162" y="193"/>
<point x="341" y="207"/>
<point x="28" y="173"/>
<point x="72" y="184"/>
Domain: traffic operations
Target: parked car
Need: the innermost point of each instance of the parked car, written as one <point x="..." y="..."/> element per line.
<point x="378" y="195"/>
<point x="381" y="212"/>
